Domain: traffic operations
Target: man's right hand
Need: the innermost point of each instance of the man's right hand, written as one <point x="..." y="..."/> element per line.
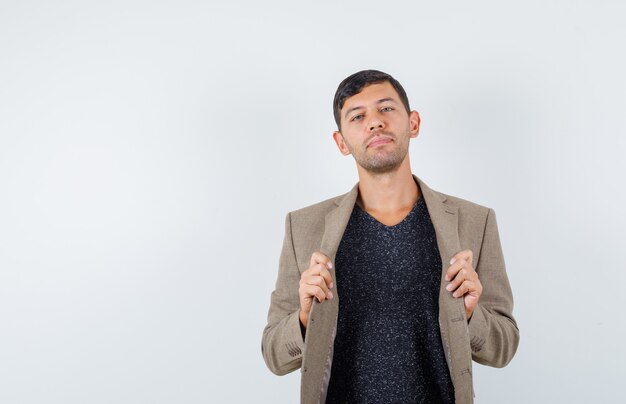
<point x="315" y="282"/>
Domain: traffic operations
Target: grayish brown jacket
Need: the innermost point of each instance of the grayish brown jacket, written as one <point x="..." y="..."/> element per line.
<point x="490" y="338"/>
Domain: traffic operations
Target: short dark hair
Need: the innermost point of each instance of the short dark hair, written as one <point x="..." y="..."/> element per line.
<point x="355" y="83"/>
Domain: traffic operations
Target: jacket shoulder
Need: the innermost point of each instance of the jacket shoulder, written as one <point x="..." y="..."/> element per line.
<point x="319" y="209"/>
<point x="465" y="207"/>
<point x="463" y="204"/>
<point x="471" y="215"/>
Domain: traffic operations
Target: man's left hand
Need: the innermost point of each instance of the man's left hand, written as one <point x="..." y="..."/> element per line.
<point x="464" y="281"/>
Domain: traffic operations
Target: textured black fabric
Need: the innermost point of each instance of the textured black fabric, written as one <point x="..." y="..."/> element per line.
<point x="388" y="344"/>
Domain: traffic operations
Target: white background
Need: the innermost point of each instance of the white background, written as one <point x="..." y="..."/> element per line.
<point x="149" y="152"/>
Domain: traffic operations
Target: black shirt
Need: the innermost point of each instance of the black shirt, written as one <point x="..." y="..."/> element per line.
<point x="388" y="344"/>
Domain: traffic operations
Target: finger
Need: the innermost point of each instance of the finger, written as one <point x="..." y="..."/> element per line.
<point x="314" y="291"/>
<point x="317" y="281"/>
<point x="321" y="270"/>
<point x="461" y="276"/>
<point x="455" y="268"/>
<point x="319" y="258"/>
<point x="315" y="269"/>
<point x="465" y="287"/>
<point x="471" y="287"/>
<point x="325" y="273"/>
<point x="466" y="255"/>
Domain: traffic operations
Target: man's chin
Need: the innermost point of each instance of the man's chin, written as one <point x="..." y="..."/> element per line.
<point x="381" y="168"/>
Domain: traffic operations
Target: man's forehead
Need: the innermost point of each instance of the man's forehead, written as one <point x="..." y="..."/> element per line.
<point x="372" y="93"/>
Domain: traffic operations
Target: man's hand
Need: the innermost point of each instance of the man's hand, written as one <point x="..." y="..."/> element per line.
<point x="464" y="281"/>
<point x="315" y="282"/>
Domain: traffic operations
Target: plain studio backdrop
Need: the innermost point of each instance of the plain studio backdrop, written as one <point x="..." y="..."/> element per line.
<point x="149" y="152"/>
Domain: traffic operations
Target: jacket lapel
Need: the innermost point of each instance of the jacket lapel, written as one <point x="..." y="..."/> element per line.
<point x="336" y="221"/>
<point x="452" y="319"/>
<point x="445" y="221"/>
<point x="320" y="334"/>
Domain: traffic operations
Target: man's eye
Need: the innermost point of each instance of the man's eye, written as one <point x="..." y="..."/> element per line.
<point x="386" y="109"/>
<point x="357" y="117"/>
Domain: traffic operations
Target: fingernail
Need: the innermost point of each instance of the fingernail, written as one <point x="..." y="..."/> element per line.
<point x="452" y="261"/>
<point x="329" y="265"/>
<point x="331" y="285"/>
<point x="447" y="277"/>
<point x="330" y="295"/>
<point x="449" y="287"/>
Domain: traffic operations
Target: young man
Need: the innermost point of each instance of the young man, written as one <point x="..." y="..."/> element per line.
<point x="387" y="293"/>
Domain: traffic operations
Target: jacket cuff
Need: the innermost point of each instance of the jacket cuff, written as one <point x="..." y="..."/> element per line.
<point x="478" y="329"/>
<point x="294" y="336"/>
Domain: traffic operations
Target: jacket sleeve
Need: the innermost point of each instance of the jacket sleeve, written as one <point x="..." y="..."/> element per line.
<point x="283" y="342"/>
<point x="494" y="335"/>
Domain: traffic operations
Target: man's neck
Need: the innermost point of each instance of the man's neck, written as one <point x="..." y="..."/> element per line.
<point x="388" y="193"/>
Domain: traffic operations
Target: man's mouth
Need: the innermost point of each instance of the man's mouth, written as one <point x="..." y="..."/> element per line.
<point x="379" y="140"/>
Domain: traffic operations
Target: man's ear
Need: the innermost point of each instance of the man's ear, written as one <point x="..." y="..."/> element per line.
<point x="341" y="145"/>
<point x="414" y="123"/>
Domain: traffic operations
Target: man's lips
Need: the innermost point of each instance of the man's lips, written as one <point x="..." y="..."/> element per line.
<point x="379" y="140"/>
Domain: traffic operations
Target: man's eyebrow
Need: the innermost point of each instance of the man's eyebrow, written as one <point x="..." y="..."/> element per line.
<point x="385" y="100"/>
<point x="377" y="102"/>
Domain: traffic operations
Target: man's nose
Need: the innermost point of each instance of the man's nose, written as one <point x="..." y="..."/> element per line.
<point x="376" y="124"/>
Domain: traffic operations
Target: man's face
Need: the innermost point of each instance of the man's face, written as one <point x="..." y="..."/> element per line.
<point x="375" y="128"/>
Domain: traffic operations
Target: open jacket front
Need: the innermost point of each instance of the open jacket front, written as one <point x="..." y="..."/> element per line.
<point x="491" y="336"/>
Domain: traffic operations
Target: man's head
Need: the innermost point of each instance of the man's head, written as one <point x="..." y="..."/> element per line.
<point x="374" y="121"/>
<point x="355" y="83"/>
